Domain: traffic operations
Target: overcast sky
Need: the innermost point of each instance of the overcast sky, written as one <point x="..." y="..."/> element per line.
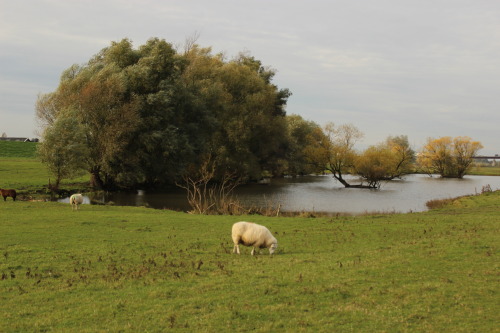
<point x="421" y="68"/>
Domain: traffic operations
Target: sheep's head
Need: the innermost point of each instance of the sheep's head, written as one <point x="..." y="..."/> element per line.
<point x="273" y="248"/>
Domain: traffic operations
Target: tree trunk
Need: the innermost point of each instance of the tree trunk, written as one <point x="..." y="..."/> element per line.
<point x="342" y="180"/>
<point x="95" y="179"/>
<point x="347" y="185"/>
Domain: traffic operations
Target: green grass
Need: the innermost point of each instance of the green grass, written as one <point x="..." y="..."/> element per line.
<point x="17" y="149"/>
<point x="485" y="171"/>
<point x="22" y="171"/>
<point x="128" y="269"/>
<point x="107" y="268"/>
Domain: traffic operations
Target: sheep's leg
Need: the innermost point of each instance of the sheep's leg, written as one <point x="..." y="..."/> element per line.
<point x="253" y="251"/>
<point x="236" y="249"/>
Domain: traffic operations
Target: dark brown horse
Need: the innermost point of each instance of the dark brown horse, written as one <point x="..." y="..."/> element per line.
<point x="8" y="193"/>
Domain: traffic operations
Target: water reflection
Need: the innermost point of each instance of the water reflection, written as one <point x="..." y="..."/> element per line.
<point x="323" y="194"/>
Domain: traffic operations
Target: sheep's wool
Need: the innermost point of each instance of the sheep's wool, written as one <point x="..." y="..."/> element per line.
<point x="252" y="234"/>
<point x="75" y="200"/>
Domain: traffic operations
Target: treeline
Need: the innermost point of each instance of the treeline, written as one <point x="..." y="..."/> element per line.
<point x="154" y="116"/>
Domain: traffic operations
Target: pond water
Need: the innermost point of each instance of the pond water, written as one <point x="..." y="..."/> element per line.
<point x="324" y="194"/>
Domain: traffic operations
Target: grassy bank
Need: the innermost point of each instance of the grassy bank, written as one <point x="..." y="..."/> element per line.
<point x="485" y="171"/>
<point x="17" y="149"/>
<point x="129" y="269"/>
<point x="21" y="170"/>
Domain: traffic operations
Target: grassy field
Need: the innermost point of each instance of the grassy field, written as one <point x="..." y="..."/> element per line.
<point x="17" y="149"/>
<point x="485" y="171"/>
<point x="128" y="269"/>
<point x="21" y="170"/>
<point x="107" y="268"/>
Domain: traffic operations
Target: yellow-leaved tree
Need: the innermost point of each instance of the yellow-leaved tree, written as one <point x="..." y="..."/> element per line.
<point x="386" y="161"/>
<point x="448" y="157"/>
<point x="332" y="149"/>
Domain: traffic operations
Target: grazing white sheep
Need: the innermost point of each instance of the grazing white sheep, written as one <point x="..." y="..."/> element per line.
<point x="252" y="234"/>
<point x="75" y="200"/>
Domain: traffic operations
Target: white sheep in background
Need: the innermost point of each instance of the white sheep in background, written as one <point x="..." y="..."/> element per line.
<point x="252" y="234"/>
<point x="75" y="200"/>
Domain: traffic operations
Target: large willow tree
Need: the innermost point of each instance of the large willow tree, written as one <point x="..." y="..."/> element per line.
<point x="148" y="115"/>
